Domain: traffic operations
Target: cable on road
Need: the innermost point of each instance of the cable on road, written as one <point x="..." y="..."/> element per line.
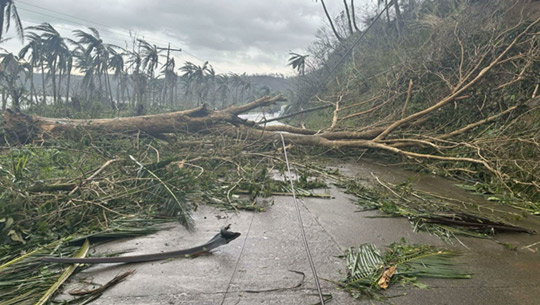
<point x="301" y="224"/>
<point x="237" y="261"/>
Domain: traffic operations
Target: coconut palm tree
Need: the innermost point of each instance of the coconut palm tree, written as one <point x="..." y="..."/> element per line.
<point x="223" y="89"/>
<point x="98" y="52"/>
<point x="245" y="87"/>
<point x="298" y="62"/>
<point x="34" y="50"/>
<point x="12" y="68"/>
<point x="116" y="64"/>
<point x="67" y="68"/>
<point x="150" y="56"/>
<point x="85" y="65"/>
<point x="150" y="61"/>
<point x="8" y="11"/>
<point x="197" y="79"/>
<point x="170" y="79"/>
<point x="55" y="52"/>
<point x="139" y="80"/>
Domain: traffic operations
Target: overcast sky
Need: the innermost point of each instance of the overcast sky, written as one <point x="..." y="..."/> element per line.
<point x="253" y="36"/>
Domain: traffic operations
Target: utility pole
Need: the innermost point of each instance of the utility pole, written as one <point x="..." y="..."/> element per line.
<point x="164" y="92"/>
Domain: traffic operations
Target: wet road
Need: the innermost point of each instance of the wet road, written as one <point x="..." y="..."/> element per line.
<point x="265" y="265"/>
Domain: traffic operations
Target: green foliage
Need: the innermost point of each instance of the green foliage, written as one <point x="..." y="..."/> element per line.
<point x="441" y="46"/>
<point x="25" y="279"/>
<point x="366" y="265"/>
<point x="442" y="216"/>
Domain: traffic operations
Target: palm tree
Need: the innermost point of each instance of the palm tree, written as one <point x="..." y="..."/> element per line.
<point x="8" y="11"/>
<point x="116" y="64"/>
<point x="298" y="62"/>
<point x="98" y="51"/>
<point x="169" y="80"/>
<point x="197" y="79"/>
<point x="85" y="65"/>
<point x="55" y="52"/>
<point x="139" y="80"/>
<point x="245" y="86"/>
<point x="11" y="69"/>
<point x="67" y="68"/>
<point x="222" y="89"/>
<point x="150" y="56"/>
<point x="236" y="83"/>
<point x="34" y="50"/>
<point x="150" y="61"/>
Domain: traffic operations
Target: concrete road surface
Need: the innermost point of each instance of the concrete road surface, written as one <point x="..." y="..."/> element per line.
<point x="268" y="264"/>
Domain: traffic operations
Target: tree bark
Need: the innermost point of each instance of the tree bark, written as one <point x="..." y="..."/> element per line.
<point x="23" y="126"/>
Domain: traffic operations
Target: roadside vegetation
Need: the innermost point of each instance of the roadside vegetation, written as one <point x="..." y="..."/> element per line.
<point x="450" y="87"/>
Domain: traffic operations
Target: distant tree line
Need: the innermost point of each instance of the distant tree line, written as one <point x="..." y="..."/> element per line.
<point x="116" y="77"/>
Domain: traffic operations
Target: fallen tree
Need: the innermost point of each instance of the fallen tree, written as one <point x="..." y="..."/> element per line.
<point x="395" y="120"/>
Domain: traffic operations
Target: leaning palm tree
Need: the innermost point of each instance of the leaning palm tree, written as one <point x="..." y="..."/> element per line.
<point x="197" y="79"/>
<point x="55" y="52"/>
<point x="150" y="61"/>
<point x="116" y="64"/>
<point x="298" y="62"/>
<point x="98" y="52"/>
<point x="8" y="11"/>
<point x="12" y="68"/>
<point x="34" y="51"/>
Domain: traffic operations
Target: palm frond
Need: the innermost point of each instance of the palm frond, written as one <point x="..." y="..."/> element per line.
<point x="366" y="266"/>
<point x="64" y="276"/>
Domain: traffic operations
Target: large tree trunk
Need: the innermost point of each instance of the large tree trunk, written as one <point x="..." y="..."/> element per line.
<point x="22" y="126"/>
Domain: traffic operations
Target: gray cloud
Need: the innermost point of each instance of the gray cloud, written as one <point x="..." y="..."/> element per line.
<point x="241" y="35"/>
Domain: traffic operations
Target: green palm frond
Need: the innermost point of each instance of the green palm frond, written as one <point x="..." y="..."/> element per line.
<point x="160" y="191"/>
<point x="366" y="265"/>
<point x="25" y="279"/>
